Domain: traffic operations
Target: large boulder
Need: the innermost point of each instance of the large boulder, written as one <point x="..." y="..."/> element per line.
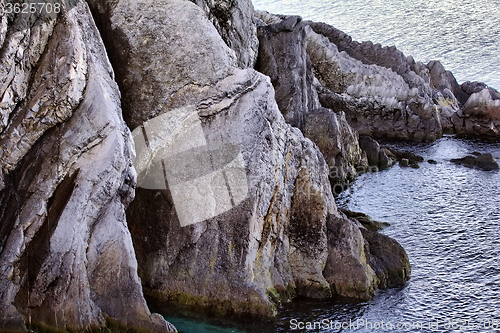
<point x="131" y="31"/>
<point x="361" y="260"/>
<point x="66" y="257"/>
<point x="480" y="115"/>
<point x="232" y="202"/>
<point x="338" y="143"/>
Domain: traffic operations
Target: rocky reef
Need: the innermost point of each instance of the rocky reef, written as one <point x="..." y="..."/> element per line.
<point x="187" y="150"/>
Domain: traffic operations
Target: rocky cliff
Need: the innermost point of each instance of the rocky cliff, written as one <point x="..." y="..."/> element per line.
<point x="202" y="172"/>
<point x="66" y="255"/>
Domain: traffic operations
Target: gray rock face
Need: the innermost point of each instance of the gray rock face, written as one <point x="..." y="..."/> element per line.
<point x="366" y="52"/>
<point x="233" y="207"/>
<point x="257" y="238"/>
<point x="411" y="101"/>
<point x="338" y="143"/>
<point x="480" y="115"/>
<point x="233" y="19"/>
<point x="66" y="255"/>
<point x="377" y="101"/>
<point x="283" y="57"/>
<point x="361" y="260"/>
<point x="136" y="59"/>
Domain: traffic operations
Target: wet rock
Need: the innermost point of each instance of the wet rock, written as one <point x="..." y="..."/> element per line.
<point x="474" y="87"/>
<point x="486" y="162"/>
<point x="361" y="260"/>
<point x="414" y="166"/>
<point x="365" y="220"/>
<point x="411" y="157"/>
<point x="482" y="161"/>
<point x="387" y="258"/>
<point x="468" y="161"/>
<point x="404" y="162"/>
<point x="66" y="256"/>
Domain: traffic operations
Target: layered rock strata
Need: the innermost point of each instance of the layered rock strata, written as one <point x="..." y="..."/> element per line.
<point x="259" y="235"/>
<point x="283" y="57"/>
<point x="67" y="262"/>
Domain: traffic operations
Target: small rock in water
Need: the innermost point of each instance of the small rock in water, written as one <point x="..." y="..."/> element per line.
<point x="365" y="220"/>
<point x="483" y="161"/>
<point x="486" y="162"/>
<point x="468" y="161"/>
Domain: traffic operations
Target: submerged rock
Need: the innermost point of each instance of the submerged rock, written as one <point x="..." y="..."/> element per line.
<point x="365" y="220"/>
<point x="483" y="161"/>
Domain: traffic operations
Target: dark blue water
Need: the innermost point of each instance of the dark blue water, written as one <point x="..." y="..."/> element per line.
<point x="463" y="34"/>
<point x="447" y="217"/>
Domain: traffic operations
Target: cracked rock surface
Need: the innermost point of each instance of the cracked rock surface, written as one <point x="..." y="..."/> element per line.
<point x="66" y="256"/>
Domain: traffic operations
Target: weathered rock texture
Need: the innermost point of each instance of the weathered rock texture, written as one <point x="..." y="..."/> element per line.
<point x="271" y="246"/>
<point x="386" y="94"/>
<point x="233" y="19"/>
<point x="265" y="228"/>
<point x="66" y="255"/>
<point x="377" y="101"/>
<point x="480" y="115"/>
<point x="283" y="57"/>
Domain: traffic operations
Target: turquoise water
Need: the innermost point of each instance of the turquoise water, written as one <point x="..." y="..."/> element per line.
<point x="463" y="34"/>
